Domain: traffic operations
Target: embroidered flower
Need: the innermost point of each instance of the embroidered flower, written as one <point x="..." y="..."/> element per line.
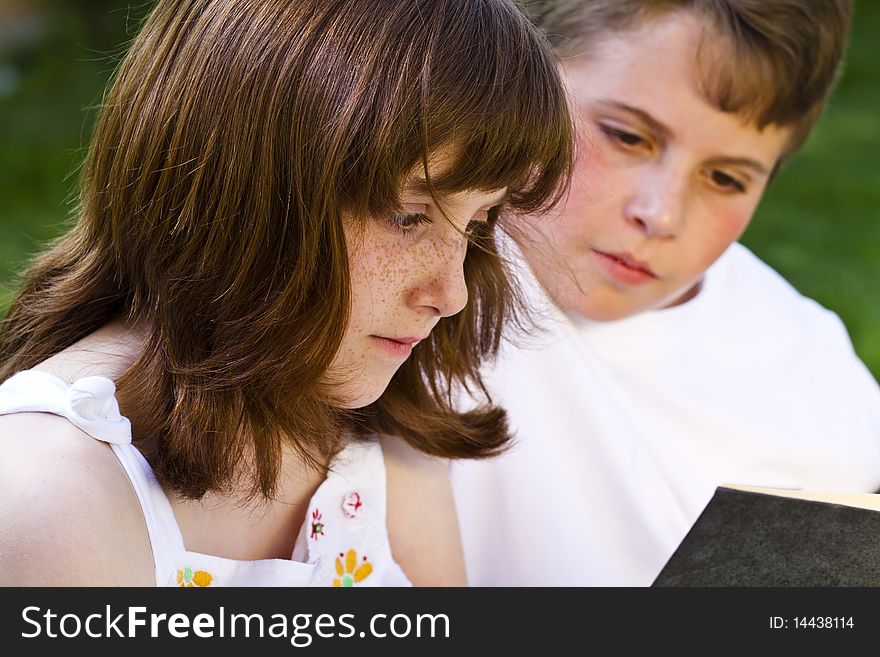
<point x="349" y="574"/>
<point x="317" y="525"/>
<point x="188" y="578"/>
<point x="351" y="504"/>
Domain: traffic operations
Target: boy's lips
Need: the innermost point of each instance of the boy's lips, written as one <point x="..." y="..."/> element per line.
<point x="630" y="261"/>
<point x="625" y="267"/>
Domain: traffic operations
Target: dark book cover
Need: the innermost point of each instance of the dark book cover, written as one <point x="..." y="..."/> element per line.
<point x="755" y="539"/>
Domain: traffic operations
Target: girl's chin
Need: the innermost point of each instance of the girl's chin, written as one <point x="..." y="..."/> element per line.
<point x="361" y="398"/>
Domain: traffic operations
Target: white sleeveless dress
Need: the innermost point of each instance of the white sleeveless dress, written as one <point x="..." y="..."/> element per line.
<point x="344" y="541"/>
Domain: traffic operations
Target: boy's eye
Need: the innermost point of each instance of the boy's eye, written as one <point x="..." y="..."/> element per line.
<point x="622" y="137"/>
<point x="726" y="182"/>
<point x="406" y="221"/>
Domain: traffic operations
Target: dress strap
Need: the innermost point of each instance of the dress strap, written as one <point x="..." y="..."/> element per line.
<point x="90" y="404"/>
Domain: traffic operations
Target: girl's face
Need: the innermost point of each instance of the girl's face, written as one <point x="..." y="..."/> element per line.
<point x="406" y="273"/>
<point x="664" y="181"/>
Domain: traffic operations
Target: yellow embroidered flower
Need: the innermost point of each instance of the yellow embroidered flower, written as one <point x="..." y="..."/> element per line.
<point x="188" y="578"/>
<point x="349" y="575"/>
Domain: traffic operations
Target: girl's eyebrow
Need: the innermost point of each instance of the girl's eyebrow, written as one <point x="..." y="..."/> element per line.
<point x="419" y="188"/>
<point x="496" y="200"/>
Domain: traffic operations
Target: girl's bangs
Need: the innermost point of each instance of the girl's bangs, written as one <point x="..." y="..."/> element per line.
<point x="472" y="79"/>
<point x="506" y="118"/>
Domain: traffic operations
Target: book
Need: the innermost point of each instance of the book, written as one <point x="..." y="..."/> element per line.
<point x="750" y="536"/>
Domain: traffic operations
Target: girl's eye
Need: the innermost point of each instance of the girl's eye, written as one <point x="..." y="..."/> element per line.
<point x="406" y="221"/>
<point x="483" y="222"/>
<point x="622" y="137"/>
<point x="726" y="182"/>
<point x="474" y="226"/>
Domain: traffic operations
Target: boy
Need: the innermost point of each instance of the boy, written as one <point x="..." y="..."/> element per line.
<point x="672" y="360"/>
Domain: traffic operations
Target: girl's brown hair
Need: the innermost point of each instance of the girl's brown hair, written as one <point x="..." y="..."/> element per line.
<point x="230" y="142"/>
<point x="781" y="61"/>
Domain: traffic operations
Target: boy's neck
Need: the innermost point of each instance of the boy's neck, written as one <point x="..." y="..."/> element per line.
<point x="692" y="292"/>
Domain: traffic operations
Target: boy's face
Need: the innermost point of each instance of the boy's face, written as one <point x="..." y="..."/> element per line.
<point x="664" y="182"/>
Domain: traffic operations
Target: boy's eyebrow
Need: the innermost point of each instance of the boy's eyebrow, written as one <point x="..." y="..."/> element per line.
<point x="743" y="162"/>
<point x="666" y="132"/>
<point x="641" y="114"/>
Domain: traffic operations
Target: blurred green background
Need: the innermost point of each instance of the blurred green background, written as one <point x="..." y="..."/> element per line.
<point x="819" y="224"/>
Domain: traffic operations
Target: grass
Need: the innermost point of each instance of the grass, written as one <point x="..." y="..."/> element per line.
<point x="44" y="123"/>
<point x="819" y="224"/>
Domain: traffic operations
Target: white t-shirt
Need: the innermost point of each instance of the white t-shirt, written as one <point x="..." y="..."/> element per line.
<point x="624" y="429"/>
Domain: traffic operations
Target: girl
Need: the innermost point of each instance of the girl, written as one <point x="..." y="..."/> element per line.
<point x="283" y="246"/>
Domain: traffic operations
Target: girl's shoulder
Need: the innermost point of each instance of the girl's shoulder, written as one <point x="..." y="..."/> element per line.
<point x="422" y="524"/>
<point x="68" y="513"/>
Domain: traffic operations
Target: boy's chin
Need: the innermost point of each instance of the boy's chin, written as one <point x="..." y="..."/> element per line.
<point x="619" y="306"/>
<point x="684" y="296"/>
<point x="609" y="308"/>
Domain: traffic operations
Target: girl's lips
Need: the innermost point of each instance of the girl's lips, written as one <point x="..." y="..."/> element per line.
<point x="403" y="340"/>
<point x="624" y="268"/>
<point x="399" y="347"/>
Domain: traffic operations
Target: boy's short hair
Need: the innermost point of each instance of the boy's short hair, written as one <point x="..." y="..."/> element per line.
<point x="784" y="55"/>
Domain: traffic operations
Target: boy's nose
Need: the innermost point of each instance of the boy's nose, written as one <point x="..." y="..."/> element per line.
<point x="657" y="206"/>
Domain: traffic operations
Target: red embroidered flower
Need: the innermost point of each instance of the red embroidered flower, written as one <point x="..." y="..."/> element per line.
<point x="317" y="525"/>
<point x="351" y="504"/>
